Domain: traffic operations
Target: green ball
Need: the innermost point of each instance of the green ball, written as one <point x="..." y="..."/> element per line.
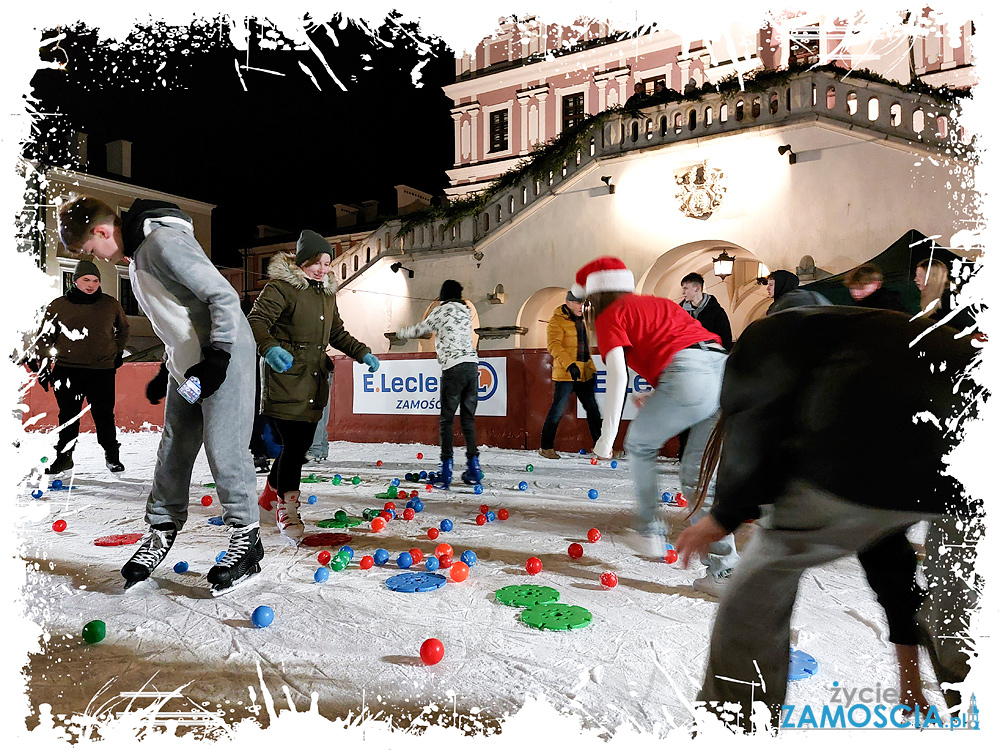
<point x="530" y="468"/>
<point x="338" y="564"/>
<point x="94" y="632"/>
<point x="336" y="480"/>
<point x="355" y="480"/>
<point x="341" y="515"/>
<point x="44" y="459"/>
<point x="312" y="475"/>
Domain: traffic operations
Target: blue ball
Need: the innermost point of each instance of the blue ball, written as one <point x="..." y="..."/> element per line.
<point x="666" y="498"/>
<point x="392" y="514"/>
<point x="522" y="485"/>
<point x="347" y="549"/>
<point x="490" y="516"/>
<point x="262" y="616"/>
<point x="432" y="476"/>
<point x="432" y="563"/>
<point x="322" y="574"/>
<point x="57" y="484"/>
<point x="395" y="481"/>
<point x="409" y="504"/>
<point x="418" y="506"/>
<point x="669" y="546"/>
<point x="583" y="452"/>
<point x="312" y="499"/>
<point x="36" y="493"/>
<point x="404" y="560"/>
<point x="423" y="475"/>
<point x="180" y="567"/>
<point x="446" y="525"/>
<point x="337" y="477"/>
<point x="469" y="558"/>
<point x="220" y="556"/>
<point x="478" y="489"/>
<point x="614" y="465"/>
<point x="407" y="476"/>
<point x="592" y="494"/>
<point x="381" y="556"/>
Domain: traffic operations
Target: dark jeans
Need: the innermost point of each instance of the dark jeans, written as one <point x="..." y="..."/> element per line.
<point x="296" y="438"/>
<point x="459" y="390"/>
<point x="72" y="386"/>
<point x="890" y="565"/>
<point x="584" y="391"/>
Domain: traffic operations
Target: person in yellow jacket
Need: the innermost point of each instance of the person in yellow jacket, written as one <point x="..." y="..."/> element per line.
<point x="573" y="371"/>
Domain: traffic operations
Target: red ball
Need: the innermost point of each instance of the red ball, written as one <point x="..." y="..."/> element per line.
<point x="367" y="562"/>
<point x="483" y="509"/>
<point x="323" y="557"/>
<point x="413" y="494"/>
<point x="432" y="533"/>
<point x="459" y="571"/>
<point x="682" y="501"/>
<point x="445" y="560"/>
<point x="408" y="514"/>
<point x="593" y="461"/>
<point x="58" y="525"/>
<point x="443" y="549"/>
<point x="420" y="456"/>
<point x="671" y="556"/>
<point x="378" y="463"/>
<point x="609" y="580"/>
<point x="429" y="487"/>
<point x="206" y="500"/>
<point x="503" y="514"/>
<point x="481" y="519"/>
<point x="594" y="535"/>
<point x="386" y="515"/>
<point x="533" y="566"/>
<point x="401" y="495"/>
<point x="416" y="554"/>
<point x="389" y="504"/>
<point x="431" y="652"/>
<point x="576" y="550"/>
<point x="378" y="524"/>
<point x="681" y="497"/>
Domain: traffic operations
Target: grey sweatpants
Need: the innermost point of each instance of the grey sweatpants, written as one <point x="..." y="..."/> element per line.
<point x="806" y="527"/>
<point x="223" y="422"/>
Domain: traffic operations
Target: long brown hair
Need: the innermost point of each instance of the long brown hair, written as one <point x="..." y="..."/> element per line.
<point x="709" y="463"/>
<point x="593" y="306"/>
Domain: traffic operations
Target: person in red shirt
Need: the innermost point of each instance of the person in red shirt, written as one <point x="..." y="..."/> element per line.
<point x="684" y="362"/>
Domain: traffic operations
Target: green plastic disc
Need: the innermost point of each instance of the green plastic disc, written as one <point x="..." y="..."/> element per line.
<point x="350" y="521"/>
<point x="94" y="632"/>
<point x="209" y="485"/>
<point x="526" y="595"/>
<point x="313" y="478"/>
<point x="557" y="616"/>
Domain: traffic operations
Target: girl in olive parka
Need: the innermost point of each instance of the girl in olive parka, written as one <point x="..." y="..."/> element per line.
<point x="293" y="320"/>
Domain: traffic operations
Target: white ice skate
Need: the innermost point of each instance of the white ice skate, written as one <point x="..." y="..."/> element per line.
<point x="286" y="514"/>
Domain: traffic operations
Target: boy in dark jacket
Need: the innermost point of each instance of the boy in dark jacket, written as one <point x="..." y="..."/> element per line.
<point x="783" y="287"/>
<point x="706" y="309"/>
<point x="865" y="286"/>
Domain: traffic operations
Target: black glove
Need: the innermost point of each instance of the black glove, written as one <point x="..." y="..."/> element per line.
<point x="211" y="371"/>
<point x="119" y="359"/>
<point x="157" y="388"/>
<point x="574" y="371"/>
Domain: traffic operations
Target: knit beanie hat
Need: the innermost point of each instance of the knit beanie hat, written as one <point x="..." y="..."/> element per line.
<point x="604" y="274"/>
<point x="450" y="290"/>
<point x="86" y="267"/>
<point x="310" y="245"/>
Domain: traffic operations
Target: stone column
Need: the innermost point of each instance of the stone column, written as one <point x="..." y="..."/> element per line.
<point x="523" y="101"/>
<point x="457" y="117"/>
<point x="602" y="94"/>
<point x="542" y="114"/>
<point x="474" y="115"/>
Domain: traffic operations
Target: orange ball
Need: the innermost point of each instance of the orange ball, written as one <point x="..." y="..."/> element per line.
<point x="443" y="549"/>
<point x="459" y="571"/>
<point x="378" y="524"/>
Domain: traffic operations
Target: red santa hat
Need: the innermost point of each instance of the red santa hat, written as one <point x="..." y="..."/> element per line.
<point x="604" y="274"/>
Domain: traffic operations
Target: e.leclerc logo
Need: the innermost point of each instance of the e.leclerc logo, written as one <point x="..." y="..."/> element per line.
<point x="488" y="381"/>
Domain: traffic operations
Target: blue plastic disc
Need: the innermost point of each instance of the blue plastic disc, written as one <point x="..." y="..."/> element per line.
<point x="801" y="665"/>
<point x="583" y="452"/>
<point x="262" y="617"/>
<point x="216" y="520"/>
<point x="415" y="582"/>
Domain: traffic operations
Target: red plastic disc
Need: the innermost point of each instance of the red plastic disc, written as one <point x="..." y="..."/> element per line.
<point x="110" y="541"/>
<point x="325" y="539"/>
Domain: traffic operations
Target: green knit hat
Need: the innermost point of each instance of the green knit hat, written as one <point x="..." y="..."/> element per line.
<point x="310" y="245"/>
<point x="86" y="267"/>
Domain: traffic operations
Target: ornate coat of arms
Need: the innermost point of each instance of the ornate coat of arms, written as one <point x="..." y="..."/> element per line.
<point x="699" y="190"/>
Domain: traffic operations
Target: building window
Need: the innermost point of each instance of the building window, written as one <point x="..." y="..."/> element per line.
<point x="498" y="130"/>
<point x="572" y="110"/>
<point x="127" y="299"/>
<point x="67" y="281"/>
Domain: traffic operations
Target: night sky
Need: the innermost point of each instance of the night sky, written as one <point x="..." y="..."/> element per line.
<point x="281" y="152"/>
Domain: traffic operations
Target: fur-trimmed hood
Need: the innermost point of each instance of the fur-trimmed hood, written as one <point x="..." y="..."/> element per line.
<point x="284" y="269"/>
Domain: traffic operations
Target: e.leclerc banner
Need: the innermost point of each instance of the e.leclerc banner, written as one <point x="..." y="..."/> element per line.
<point x="413" y="387"/>
<point x="636" y="385"/>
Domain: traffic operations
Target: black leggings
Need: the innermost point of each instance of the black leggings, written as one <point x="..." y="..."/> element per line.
<point x="296" y="438"/>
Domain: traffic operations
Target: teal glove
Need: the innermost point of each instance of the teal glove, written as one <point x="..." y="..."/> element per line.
<point x="371" y="361"/>
<point x="278" y="358"/>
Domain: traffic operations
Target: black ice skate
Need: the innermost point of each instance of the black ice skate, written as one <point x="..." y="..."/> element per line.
<point x="113" y="461"/>
<point x="153" y="549"/>
<point x="62" y="463"/>
<point x="240" y="562"/>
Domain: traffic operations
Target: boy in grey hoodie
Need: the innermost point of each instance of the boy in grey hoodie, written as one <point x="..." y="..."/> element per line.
<point x="196" y="314"/>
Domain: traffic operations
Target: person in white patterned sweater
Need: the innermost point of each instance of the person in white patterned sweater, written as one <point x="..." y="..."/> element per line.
<point x="451" y="324"/>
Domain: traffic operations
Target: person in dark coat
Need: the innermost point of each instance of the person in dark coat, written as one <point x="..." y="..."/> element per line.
<point x="706" y="309"/>
<point x="293" y="320"/>
<point x="792" y="456"/>
<point x="783" y="287"/>
<point x="865" y="285"/>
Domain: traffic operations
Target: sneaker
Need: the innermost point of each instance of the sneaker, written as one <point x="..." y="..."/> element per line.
<point x="113" y="461"/>
<point x="267" y="498"/>
<point x="713" y="585"/>
<point x="241" y="561"/>
<point x="649" y="543"/>
<point x="62" y="463"/>
<point x="153" y="549"/>
<point x="548" y="453"/>
<point x="286" y="514"/>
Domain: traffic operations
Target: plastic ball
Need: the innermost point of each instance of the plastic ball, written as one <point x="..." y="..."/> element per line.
<point x="395" y="481"/>
<point x="324" y="557"/>
<point x="44" y="459"/>
<point x="490" y="516"/>
<point x="36" y="493"/>
<point x="614" y="465"/>
<point x="409" y="514"/>
<point x="262" y="616"/>
<point x="340" y="515"/>
<point x="381" y="556"/>
<point x="386" y="515"/>
<point x="355" y="480"/>
<point x="432" y="563"/>
<point x="459" y="571"/>
<point x="423" y="475"/>
<point x="446" y="525"/>
<point x="481" y="519"/>
<point x="432" y="533"/>
<point x="522" y="485"/>
<point x="420" y="456"/>
<point x="378" y="463"/>
<point x="418" y="506"/>
<point x="530" y="468"/>
<point x="583" y="452"/>
<point x="592" y="494"/>
<point x="94" y="632"/>
<point x="401" y="495"/>
<point x="206" y="500"/>
<point x="417" y="555"/>
<point x="681" y="501"/>
<point x="414" y="494"/>
<point x="503" y="514"/>
<point x="609" y="579"/>
<point x="404" y="560"/>
<point x="58" y="525"/>
<point x="444" y="560"/>
<point x="432" y="476"/>
<point x="671" y="556"/>
<point x="409" y="504"/>
<point x="337" y="479"/>
<point x="312" y="476"/>
<point x="390" y="504"/>
<point x="469" y="558"/>
<point x="576" y="550"/>
<point x="180" y="567"/>
<point x="666" y="498"/>
<point x="339" y="564"/>
<point x="443" y="549"/>
<point x="57" y="484"/>
<point x="533" y="566"/>
<point x="378" y="524"/>
<point x="367" y="562"/>
<point x="429" y="487"/>
<point x="593" y="461"/>
<point x="220" y="556"/>
<point x="478" y="489"/>
<point x="593" y="535"/>
<point x="408" y="477"/>
<point x="348" y="550"/>
<point x="431" y="652"/>
<point x="312" y="499"/>
<point x="322" y="574"/>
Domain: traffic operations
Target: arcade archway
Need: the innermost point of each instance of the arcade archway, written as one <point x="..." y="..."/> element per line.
<point x="534" y="316"/>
